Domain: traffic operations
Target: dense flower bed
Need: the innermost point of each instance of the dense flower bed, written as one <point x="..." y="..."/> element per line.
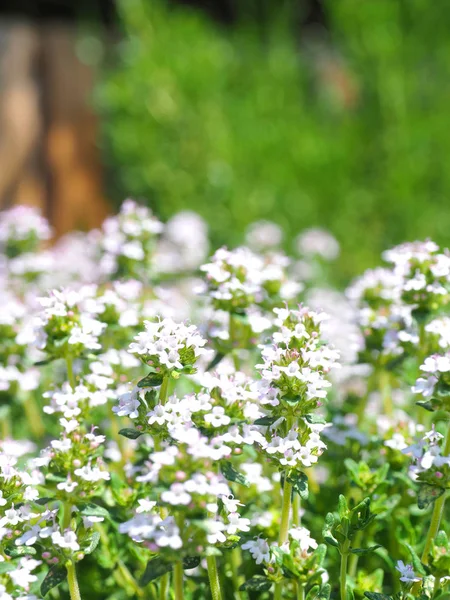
<point x="174" y="426"/>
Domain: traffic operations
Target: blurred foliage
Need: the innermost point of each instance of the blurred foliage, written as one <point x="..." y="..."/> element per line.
<point x="345" y="128"/>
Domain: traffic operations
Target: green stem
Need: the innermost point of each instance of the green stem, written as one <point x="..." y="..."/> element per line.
<point x="74" y="590"/>
<point x="300" y="591"/>
<point x="232" y="336"/>
<point x="164" y="586"/>
<point x="213" y="576"/>
<point x="386" y="393"/>
<point x="284" y="528"/>
<point x="70" y="374"/>
<point x="163" y="390"/>
<point x="438" y="509"/>
<point x="285" y="512"/>
<point x="178" y="580"/>
<point x="235" y="563"/>
<point x="353" y="562"/>
<point x="296" y="519"/>
<point x="33" y="415"/>
<point x="343" y="572"/>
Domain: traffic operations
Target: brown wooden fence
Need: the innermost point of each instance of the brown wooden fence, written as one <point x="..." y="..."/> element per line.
<point x="48" y="130"/>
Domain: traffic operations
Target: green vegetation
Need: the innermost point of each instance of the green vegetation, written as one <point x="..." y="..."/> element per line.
<point x="347" y="130"/>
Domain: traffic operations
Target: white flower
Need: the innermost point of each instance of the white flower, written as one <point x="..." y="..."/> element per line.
<point x="66" y="540"/>
<point x="259" y="549"/>
<point x="303" y="537"/>
<point x="406" y="572"/>
<point x="237" y="523"/>
<point x="128" y="404"/>
<point x="217" y="417"/>
<point x="176" y="495"/>
<point x="145" y="505"/>
<point x="215" y="532"/>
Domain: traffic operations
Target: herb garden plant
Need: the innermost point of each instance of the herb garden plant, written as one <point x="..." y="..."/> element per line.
<point x="181" y="427"/>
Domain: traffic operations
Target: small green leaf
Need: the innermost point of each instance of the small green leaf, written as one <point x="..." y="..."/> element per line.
<point x="16" y="551"/>
<point x="342" y="507"/>
<point x="266" y="421"/>
<point x="151" y="380"/>
<point x="377" y="596"/>
<point x="230" y="473"/>
<point x="428" y="494"/>
<point x="54" y="577"/>
<point x="156" y="567"/>
<point x="191" y="562"/>
<point x="362" y="551"/>
<point x="44" y="501"/>
<point x="215" y="361"/>
<point x="258" y="583"/>
<point x="314" y="419"/>
<point x="299" y="482"/>
<point x="416" y="562"/>
<point x="131" y="434"/>
<point x="426" y="404"/>
<point x="93" y="541"/>
<point x="7" y="566"/>
<point x="93" y="510"/>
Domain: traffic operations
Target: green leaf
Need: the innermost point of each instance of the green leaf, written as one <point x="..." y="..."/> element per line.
<point x="265" y="421"/>
<point x="131" y="434"/>
<point x="377" y="596"/>
<point x="93" y="510"/>
<point x="44" y="501"/>
<point x="428" y="494"/>
<point x="258" y="583"/>
<point x="7" y="566"/>
<point x="314" y="419"/>
<point x="299" y="482"/>
<point x="327" y="531"/>
<point x="45" y="361"/>
<point x="342" y="507"/>
<point x="417" y="564"/>
<point x="16" y="551"/>
<point x="426" y="404"/>
<point x="325" y="592"/>
<point x="156" y="567"/>
<point x="362" y="551"/>
<point x="230" y="473"/>
<point x="191" y="562"/>
<point x="54" y="577"/>
<point x="151" y="380"/>
<point x="93" y="541"/>
<point x="215" y="361"/>
<point x="349" y="595"/>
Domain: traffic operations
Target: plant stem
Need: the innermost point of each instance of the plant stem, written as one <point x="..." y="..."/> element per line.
<point x="178" y="580"/>
<point x="296" y="519"/>
<point x="343" y="572"/>
<point x="213" y="576"/>
<point x="71" y="572"/>
<point x="284" y="528"/>
<point x="285" y="513"/>
<point x="163" y="391"/>
<point x="438" y="509"/>
<point x="70" y="375"/>
<point x="164" y="586"/>
<point x="353" y="562"/>
<point x="235" y="563"/>
<point x="386" y="393"/>
<point x="74" y="590"/>
<point x="300" y="591"/>
<point x="33" y="414"/>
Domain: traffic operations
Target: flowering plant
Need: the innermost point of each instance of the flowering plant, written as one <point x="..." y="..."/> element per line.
<point x="170" y="436"/>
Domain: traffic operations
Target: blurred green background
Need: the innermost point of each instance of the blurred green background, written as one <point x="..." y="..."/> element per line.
<point x="342" y="125"/>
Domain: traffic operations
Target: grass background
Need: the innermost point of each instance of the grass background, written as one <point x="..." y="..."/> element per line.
<point x="343" y="126"/>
